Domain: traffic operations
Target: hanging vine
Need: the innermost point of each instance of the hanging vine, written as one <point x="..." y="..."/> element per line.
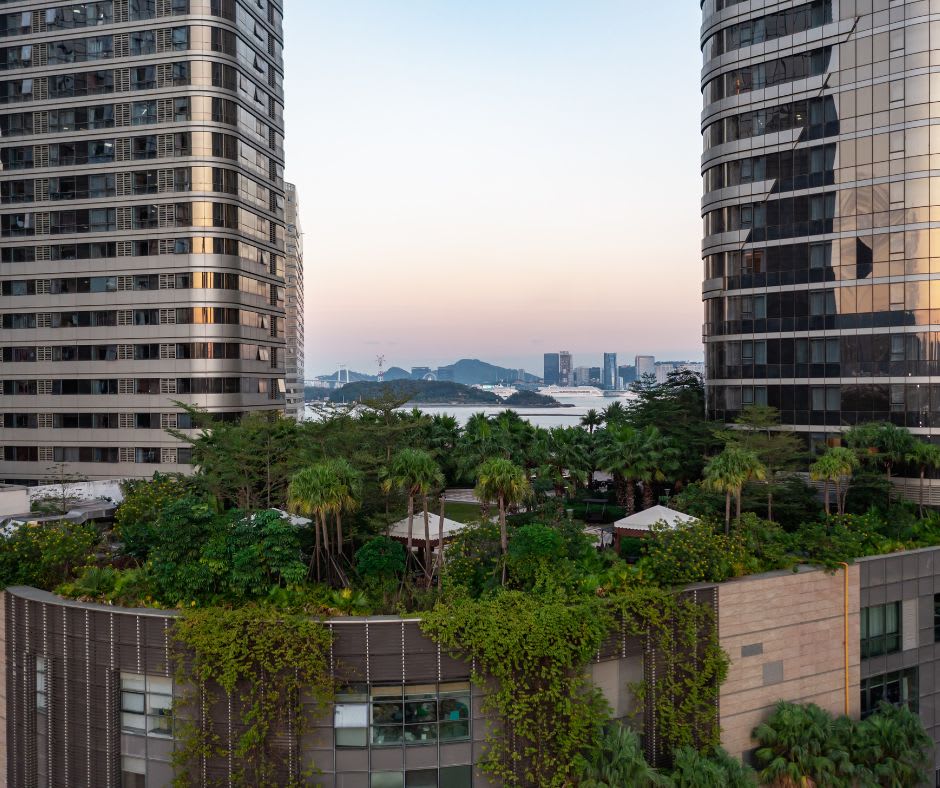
<point x="535" y="648"/>
<point x="270" y="665"/>
<point x="686" y="666"/>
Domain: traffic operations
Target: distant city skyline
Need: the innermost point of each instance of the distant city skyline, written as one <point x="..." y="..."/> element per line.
<point x="535" y="366"/>
<point x="475" y="179"/>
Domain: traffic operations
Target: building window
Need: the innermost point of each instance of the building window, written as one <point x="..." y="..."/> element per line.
<point x="898" y="688"/>
<point x="41" y="698"/>
<point x="397" y="715"/>
<point x="936" y="618"/>
<point x="147" y="704"/>
<point x="133" y="772"/>
<point x="449" y="776"/>
<point x="881" y="630"/>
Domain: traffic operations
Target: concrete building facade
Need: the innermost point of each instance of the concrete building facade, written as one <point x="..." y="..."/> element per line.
<point x="294" y="307"/>
<point x="142" y="232"/>
<point x="71" y="674"/>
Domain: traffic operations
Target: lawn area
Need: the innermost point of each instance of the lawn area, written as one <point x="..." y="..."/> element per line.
<point x="463" y="512"/>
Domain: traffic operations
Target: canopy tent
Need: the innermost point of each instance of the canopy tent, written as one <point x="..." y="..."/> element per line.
<point x="642" y="521"/>
<point x="400" y="529"/>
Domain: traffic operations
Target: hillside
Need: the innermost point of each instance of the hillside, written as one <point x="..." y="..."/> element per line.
<point x="425" y="392"/>
<point x="471" y="371"/>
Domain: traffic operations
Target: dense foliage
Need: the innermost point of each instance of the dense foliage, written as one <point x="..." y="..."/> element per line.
<point x="269" y="661"/>
<point x="46" y="554"/>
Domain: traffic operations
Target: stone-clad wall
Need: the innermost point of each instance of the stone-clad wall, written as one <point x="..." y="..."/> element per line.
<point x="784" y="634"/>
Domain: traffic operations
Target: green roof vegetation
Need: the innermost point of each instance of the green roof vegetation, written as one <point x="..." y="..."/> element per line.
<point x="522" y="590"/>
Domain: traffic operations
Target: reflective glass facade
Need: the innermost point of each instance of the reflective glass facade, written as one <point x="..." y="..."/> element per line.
<point x="821" y="211"/>
<point x="142" y="228"/>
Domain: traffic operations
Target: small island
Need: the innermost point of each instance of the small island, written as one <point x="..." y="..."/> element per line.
<point x="438" y="392"/>
<point x="532" y="399"/>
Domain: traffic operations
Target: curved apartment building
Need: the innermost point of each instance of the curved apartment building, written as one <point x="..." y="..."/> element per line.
<point x="821" y="243"/>
<point x="142" y="228"/>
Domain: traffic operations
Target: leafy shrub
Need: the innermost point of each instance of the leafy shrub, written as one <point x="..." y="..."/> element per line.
<point x="45" y="555"/>
<point x="380" y="558"/>
<point x="693" y="553"/>
<point x="144" y="500"/>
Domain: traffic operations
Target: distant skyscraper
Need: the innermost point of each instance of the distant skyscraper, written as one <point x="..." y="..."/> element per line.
<point x="142" y="241"/>
<point x="645" y="365"/>
<point x="564" y="368"/>
<point x="550" y="375"/>
<point x="581" y="376"/>
<point x="294" y="302"/>
<point x="627" y="373"/>
<point x="610" y="370"/>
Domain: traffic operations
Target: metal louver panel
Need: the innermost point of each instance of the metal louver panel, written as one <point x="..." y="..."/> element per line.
<point x="126" y="421"/>
<point x="126" y="386"/>
<point x="168" y="456"/>
<point x="41" y="190"/>
<point x="122" y="149"/>
<point x="167" y="385"/>
<point x="40" y="155"/>
<point x="125" y="454"/>
<point x="122" y="45"/>
<point x="125" y="317"/>
<point x="122" y="80"/>
<point x="122" y="115"/>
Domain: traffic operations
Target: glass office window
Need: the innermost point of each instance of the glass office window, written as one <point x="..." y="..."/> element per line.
<point x="897" y="688"/>
<point x="881" y="630"/>
<point x="147" y="704"/>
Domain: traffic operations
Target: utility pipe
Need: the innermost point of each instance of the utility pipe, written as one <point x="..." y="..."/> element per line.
<point x="845" y="634"/>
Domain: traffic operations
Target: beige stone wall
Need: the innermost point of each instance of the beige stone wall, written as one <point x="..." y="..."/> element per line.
<point x="784" y="634"/>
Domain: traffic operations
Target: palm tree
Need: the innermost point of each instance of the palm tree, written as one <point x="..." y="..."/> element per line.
<point x="565" y="452"/>
<point x="618" y="761"/>
<point x="345" y="495"/>
<point x="415" y="473"/>
<point x="592" y="420"/>
<point x="310" y="494"/>
<point x="884" y="442"/>
<point x="834" y="466"/>
<point x="501" y="480"/>
<point x="926" y="456"/>
<point x="799" y="747"/>
<point x="627" y="453"/>
<point x="662" y="458"/>
<point x="728" y="472"/>
<point x="890" y="747"/>
<point x="478" y="442"/>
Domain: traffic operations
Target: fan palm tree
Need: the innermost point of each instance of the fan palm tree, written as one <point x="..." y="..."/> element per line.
<point x="345" y="495"/>
<point x="799" y="747"/>
<point x="311" y="494"/>
<point x="662" y="459"/>
<point x="926" y="456"/>
<point x="415" y="473"/>
<point x="626" y="452"/>
<point x="566" y="453"/>
<point x="728" y="472"/>
<point x="506" y="483"/>
<point x="890" y="748"/>
<point x="837" y="464"/>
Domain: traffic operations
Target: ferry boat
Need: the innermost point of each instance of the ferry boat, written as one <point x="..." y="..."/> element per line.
<point x="571" y="391"/>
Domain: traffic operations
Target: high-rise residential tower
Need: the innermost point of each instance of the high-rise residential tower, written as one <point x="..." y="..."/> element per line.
<point x="564" y="368"/>
<point x="821" y="291"/>
<point x="142" y="232"/>
<point x="610" y="371"/>
<point x="294" y="332"/>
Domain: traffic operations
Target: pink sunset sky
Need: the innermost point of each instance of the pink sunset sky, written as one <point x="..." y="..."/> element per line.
<point x="496" y="179"/>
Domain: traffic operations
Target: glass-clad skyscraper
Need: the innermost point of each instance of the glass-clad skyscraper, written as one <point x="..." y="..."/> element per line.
<point x="821" y="129"/>
<point x="141" y="228"/>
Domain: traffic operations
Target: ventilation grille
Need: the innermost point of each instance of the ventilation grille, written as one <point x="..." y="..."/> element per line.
<point x="168" y="456"/>
<point x="125" y="317"/>
<point x="125" y="352"/>
<point x="127" y="421"/>
<point x="167" y="317"/>
<point x="169" y="421"/>
<point x="126" y="386"/>
<point x="44" y="421"/>
<point x="122" y="115"/>
<point x="43" y="387"/>
<point x="126" y="454"/>
<point x="168" y="385"/>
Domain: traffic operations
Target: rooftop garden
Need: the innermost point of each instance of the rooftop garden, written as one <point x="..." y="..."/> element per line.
<point x="522" y="590"/>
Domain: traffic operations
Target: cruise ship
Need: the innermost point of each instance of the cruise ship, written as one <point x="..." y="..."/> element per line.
<point x="571" y="391"/>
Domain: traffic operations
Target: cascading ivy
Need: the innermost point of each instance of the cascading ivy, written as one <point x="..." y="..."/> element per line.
<point x="690" y="666"/>
<point x="530" y="652"/>
<point x="270" y="663"/>
<point x="534" y="648"/>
